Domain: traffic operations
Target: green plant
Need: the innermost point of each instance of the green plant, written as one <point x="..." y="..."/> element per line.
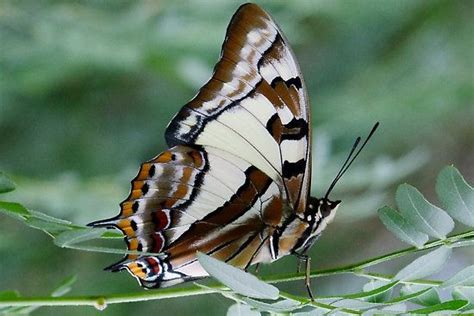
<point x="415" y="221"/>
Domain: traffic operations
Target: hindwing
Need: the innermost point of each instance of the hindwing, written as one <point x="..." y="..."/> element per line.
<point x="191" y="199"/>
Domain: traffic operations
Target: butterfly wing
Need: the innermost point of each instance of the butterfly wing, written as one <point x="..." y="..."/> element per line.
<point x="254" y="106"/>
<point x="238" y="166"/>
<point x="191" y="199"/>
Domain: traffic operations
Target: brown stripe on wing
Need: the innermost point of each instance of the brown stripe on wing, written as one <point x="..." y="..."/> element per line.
<point x="234" y="50"/>
<point x="233" y="236"/>
<point x="256" y="184"/>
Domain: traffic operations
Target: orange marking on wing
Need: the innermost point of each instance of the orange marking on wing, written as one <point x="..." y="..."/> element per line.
<point x="136" y="270"/>
<point x="144" y="170"/>
<point x="136" y="194"/>
<point x="164" y="157"/>
<point x="127" y="213"/>
<point x="124" y="225"/>
<point x="126" y="210"/>
<point x="133" y="244"/>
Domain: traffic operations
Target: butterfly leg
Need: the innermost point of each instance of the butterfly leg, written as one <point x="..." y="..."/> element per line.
<point x="308" y="277"/>
<point x="302" y="257"/>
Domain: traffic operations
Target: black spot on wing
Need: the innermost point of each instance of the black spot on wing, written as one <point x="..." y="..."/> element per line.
<point x="296" y="82"/>
<point x="270" y="123"/>
<point x="151" y="171"/>
<point x="145" y="188"/>
<point x="293" y="169"/>
<point x="135" y="206"/>
<point x="296" y="129"/>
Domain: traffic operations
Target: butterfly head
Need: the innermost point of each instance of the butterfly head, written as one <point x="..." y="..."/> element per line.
<point x="318" y="209"/>
<point x="319" y="213"/>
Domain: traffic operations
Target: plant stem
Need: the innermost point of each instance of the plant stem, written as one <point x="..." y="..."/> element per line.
<point x="306" y="301"/>
<point x="387" y="277"/>
<point x="101" y="301"/>
<point x="457" y="240"/>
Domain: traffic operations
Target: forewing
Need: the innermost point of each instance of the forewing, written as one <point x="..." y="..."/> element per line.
<point x="254" y="106"/>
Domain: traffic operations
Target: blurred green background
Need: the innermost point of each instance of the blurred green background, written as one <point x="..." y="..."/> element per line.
<point x="87" y="88"/>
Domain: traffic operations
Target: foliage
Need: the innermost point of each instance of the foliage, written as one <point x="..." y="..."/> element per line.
<point x="416" y="221"/>
<point x="88" y="86"/>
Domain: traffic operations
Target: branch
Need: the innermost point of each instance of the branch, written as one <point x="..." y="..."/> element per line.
<point x="101" y="301"/>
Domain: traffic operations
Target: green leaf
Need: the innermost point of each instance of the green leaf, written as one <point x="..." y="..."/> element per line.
<point x="456" y="195"/>
<point x="428" y="298"/>
<point x="382" y="296"/>
<point x="446" y="306"/>
<point x="239" y="309"/>
<point x="316" y="311"/>
<point x="423" y="215"/>
<point x="463" y="277"/>
<point x="401" y="228"/>
<point x="241" y="282"/>
<point x="49" y="224"/>
<point x="349" y="303"/>
<point x="8" y="295"/>
<point x="425" y="265"/>
<point x="14" y="210"/>
<point x="464" y="293"/>
<point x="373" y="292"/>
<point x="6" y="185"/>
<point x="75" y="236"/>
<point x="50" y="218"/>
<point x="51" y="228"/>
<point x="395" y="309"/>
<point x="111" y="235"/>
<point x="282" y="306"/>
<point x="408" y="297"/>
<point x="64" y="287"/>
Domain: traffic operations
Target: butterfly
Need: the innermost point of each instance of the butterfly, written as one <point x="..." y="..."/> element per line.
<point x="235" y="181"/>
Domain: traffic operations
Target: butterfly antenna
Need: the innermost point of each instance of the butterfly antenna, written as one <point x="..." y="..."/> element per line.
<point x="350" y="158"/>
<point x="336" y="178"/>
